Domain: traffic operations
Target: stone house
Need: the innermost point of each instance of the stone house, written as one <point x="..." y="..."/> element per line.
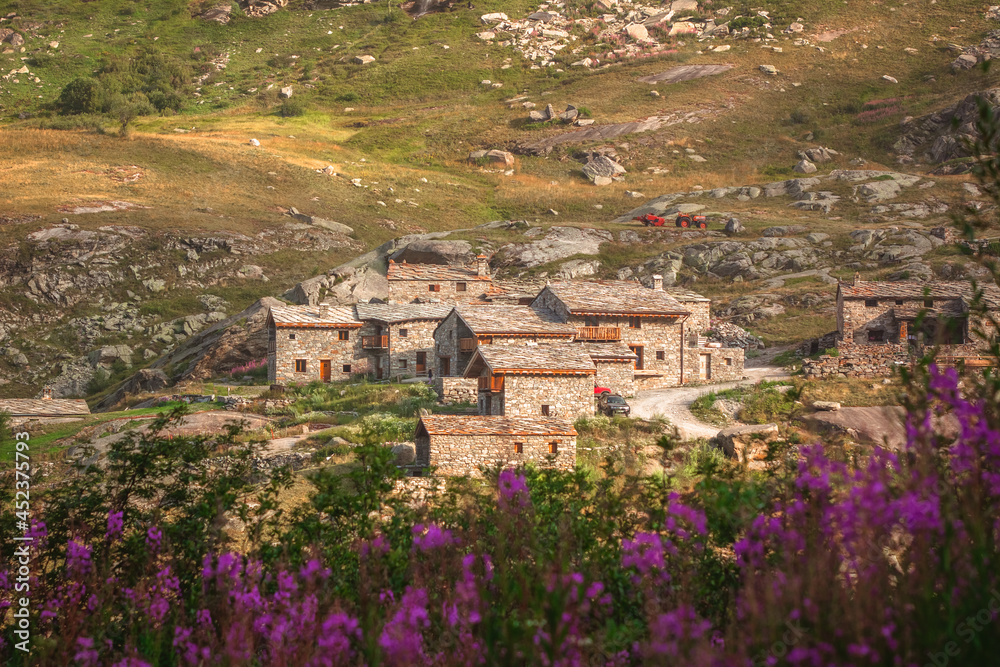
<point x="469" y="326"/>
<point x="399" y="338"/>
<point x="438" y="283"/>
<point x="457" y="445"/>
<point x="651" y="322"/>
<point x="551" y="380"/>
<point x="615" y="365"/>
<point x="888" y="313"/>
<point x="314" y="343"/>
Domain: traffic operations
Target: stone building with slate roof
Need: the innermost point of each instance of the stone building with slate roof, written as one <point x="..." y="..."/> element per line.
<point x="652" y="323"/>
<point x="399" y="338"/>
<point x="549" y="380"/>
<point x="457" y="445"/>
<point x="310" y="343"/>
<point x="438" y="283"/>
<point x="23" y="410"/>
<point x="469" y="326"/>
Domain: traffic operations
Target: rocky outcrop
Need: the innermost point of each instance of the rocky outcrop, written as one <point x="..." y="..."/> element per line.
<point x="558" y="243"/>
<point x="433" y="251"/>
<point x="944" y="135"/>
<point x="259" y="8"/>
<point x="146" y="381"/>
<point x="748" y="444"/>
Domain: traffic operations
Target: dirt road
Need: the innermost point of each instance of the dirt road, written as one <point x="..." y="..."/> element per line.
<point x="675" y="403"/>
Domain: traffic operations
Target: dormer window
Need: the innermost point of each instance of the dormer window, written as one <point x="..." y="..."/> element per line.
<point x="871" y="303"/>
<point x="928" y="303"/>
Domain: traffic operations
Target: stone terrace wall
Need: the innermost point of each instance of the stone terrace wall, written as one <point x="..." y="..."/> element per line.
<point x="464" y="454"/>
<point x="456" y="389"/>
<point x="865" y="361"/>
<point x="618" y="376"/>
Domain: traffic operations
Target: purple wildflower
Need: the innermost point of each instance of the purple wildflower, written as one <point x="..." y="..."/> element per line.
<point x="402" y="637"/>
<point x="154" y="539"/>
<point x="115" y="525"/>
<point x="426" y="538"/>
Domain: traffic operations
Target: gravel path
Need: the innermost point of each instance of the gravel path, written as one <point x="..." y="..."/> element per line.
<point x="675" y="403"/>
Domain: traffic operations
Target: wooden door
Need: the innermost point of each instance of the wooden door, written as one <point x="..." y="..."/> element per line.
<point x="445" y="366"/>
<point x="704" y="366"/>
<point x="378" y="367"/>
<point x="637" y="349"/>
<point x="324" y="369"/>
<point x="421" y="362"/>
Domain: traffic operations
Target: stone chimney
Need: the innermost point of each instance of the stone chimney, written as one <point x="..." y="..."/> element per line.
<point x="47" y="393"/>
<point x="482" y="266"/>
<point x="857" y="278"/>
<point x="658" y="282"/>
<point x="324" y="310"/>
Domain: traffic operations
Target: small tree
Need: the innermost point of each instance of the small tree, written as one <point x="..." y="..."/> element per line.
<point x="81" y="95"/>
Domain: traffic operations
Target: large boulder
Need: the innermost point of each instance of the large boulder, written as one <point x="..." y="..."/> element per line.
<point x="602" y="166"/>
<point x="749" y="444"/>
<point x="430" y="251"/>
<point x="404" y="454"/>
<point x="558" y="243"/>
<point x="109" y="354"/>
<point x="218" y="13"/>
<point x="328" y="225"/>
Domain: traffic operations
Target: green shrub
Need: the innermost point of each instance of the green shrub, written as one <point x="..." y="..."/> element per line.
<point x="292" y="107"/>
<point x="81" y="95"/>
<point x="832" y="351"/>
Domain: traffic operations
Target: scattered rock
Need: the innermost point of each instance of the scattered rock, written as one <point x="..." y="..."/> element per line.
<point x="254" y="142"/>
<point x="886" y="77"/>
<point x="827" y="406"/>
<point x="285" y="92"/>
<point x="804" y="167"/>
<point x="734" y="226"/>
<point x="769" y="69"/>
<point x="818" y="155"/>
<point x="363" y="60"/>
<point x="602" y="166"/>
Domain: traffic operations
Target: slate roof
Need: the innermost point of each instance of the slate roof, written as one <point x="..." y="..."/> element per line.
<point x="608" y="351"/>
<point x="392" y="313"/>
<point x="490" y="319"/>
<point x="615" y="297"/>
<point x="566" y="358"/>
<point x="462" y="425"/>
<point x="685" y="296"/>
<point x="432" y="272"/>
<point x="514" y="289"/>
<point x="36" y="407"/>
<point x="911" y="289"/>
<point x="308" y="316"/>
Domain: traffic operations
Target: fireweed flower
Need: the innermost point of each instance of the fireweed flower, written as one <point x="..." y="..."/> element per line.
<point x="645" y="554"/>
<point x="334" y="641"/>
<point x="426" y="538"/>
<point x="377" y="546"/>
<point x="86" y="654"/>
<point x="115" y="525"/>
<point x="402" y="637"/>
<point x="77" y="558"/>
<point x="513" y="491"/>
<point x="154" y="539"/>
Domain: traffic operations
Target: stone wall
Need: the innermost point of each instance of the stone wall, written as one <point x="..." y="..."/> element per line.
<point x="403" y="350"/>
<point x="700" y="319"/>
<point x="456" y="389"/>
<point x="446" y="337"/>
<point x="464" y="454"/>
<point x="726" y="364"/>
<point x="408" y="291"/>
<point x="314" y="345"/>
<point x="618" y="376"/>
<point x="569" y="396"/>
<point x="874" y="361"/>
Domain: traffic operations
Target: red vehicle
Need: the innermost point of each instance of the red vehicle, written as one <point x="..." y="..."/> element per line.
<point x="650" y="220"/>
<point x="601" y="391"/>
<point x="686" y="220"/>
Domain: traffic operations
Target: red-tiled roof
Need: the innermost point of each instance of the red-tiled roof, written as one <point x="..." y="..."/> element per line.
<point x="404" y="271"/>
<point x="309" y="316"/>
<point x="615" y="297"/>
<point x="463" y="425"/>
<point x="35" y="407"/>
<point x="490" y="319"/>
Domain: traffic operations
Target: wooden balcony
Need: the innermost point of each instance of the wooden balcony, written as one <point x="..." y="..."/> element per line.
<point x="492" y="384"/>
<point x="467" y="344"/>
<point x="599" y="333"/>
<point x="374" y="342"/>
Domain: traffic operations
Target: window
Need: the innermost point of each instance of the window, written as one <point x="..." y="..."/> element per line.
<point x="460" y="287"/>
<point x="899" y="302"/>
<point x="928" y="303"/>
<point x="343" y="335"/>
<point x="591" y="321"/>
<point x="661" y="355"/>
<point x="433" y="288"/>
<point x="346" y="368"/>
<point x="546" y="410"/>
<point x="300" y="365"/>
<point x="445" y="365"/>
<point x="554" y="447"/>
<point x="291" y="336"/>
<point x="637" y="349"/>
<point x="876" y="336"/>
<point x="519" y="448"/>
<point x="727" y="361"/>
<point x="634" y="322"/>
<point x="871" y="303"/>
<point x="402" y="363"/>
<point x="404" y="333"/>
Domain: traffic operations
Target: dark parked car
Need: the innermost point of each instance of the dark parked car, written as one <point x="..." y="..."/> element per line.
<point x="613" y="405"/>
